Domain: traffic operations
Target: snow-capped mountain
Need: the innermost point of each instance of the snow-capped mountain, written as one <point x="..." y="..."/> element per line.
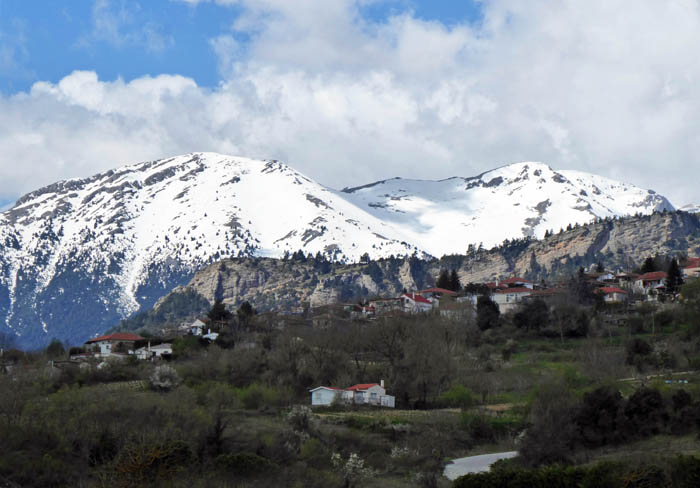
<point x="79" y="255"/>
<point x="518" y="200"/>
<point x="690" y="208"/>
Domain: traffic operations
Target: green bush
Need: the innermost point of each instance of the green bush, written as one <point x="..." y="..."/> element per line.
<point x="458" y="396"/>
<point x="256" y="397"/>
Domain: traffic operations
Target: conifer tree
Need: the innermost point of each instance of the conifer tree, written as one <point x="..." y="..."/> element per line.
<point x="455" y="285"/>
<point x="443" y="280"/>
<point x="675" y="278"/>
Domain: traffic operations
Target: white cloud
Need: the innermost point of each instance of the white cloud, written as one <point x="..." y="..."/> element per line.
<point x="600" y="86"/>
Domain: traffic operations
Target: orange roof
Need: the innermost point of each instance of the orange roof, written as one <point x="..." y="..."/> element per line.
<point x="119" y="336"/>
<point x="361" y="386"/>
<point x="610" y="289"/>
<point x="654" y="275"/>
<point x="515" y="279"/>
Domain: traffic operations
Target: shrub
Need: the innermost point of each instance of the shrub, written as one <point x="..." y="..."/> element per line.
<point x="256" y="396"/>
<point x="458" y="396"/>
<point x="141" y="463"/>
<point x="244" y="464"/>
<point x="164" y="378"/>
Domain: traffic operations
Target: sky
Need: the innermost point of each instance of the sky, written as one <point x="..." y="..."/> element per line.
<point x="353" y="91"/>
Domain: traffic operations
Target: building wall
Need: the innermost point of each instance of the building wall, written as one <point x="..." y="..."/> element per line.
<point x="322" y="397"/>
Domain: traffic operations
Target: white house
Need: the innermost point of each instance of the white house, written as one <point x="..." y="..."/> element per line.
<point x="509" y="298"/>
<point x="109" y="345"/>
<point x="326" y="395"/>
<point x="692" y="268"/>
<point x="365" y="393"/>
<point x="154" y="352"/>
<point x="415" y="303"/>
<point x="371" y="394"/>
<point x="199" y="326"/>
<point x="651" y="281"/>
<point x="612" y="294"/>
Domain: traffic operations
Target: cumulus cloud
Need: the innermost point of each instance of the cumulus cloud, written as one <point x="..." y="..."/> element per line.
<point x="606" y="87"/>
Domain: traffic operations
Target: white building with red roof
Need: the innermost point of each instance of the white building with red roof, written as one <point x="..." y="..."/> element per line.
<point x="612" y="294"/>
<point x="416" y="303"/>
<point x="509" y="298"/>
<point x="692" y="268"/>
<point x="362" y="394"/>
<point x="114" y="344"/>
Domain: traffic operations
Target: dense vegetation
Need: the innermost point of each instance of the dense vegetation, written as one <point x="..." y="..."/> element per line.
<point x="570" y="384"/>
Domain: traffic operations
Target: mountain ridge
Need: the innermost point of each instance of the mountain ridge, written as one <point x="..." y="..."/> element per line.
<point x="81" y="254"/>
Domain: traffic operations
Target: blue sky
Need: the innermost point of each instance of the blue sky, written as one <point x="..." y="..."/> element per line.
<point x="50" y="39"/>
<point x="352" y="91"/>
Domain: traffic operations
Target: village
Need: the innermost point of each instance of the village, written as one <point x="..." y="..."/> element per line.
<point x="617" y="291"/>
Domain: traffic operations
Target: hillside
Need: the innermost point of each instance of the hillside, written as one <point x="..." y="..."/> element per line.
<point x="272" y="284"/>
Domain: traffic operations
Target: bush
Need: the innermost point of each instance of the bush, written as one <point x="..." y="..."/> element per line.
<point x="164" y="378"/>
<point x="256" y="396"/>
<point x="244" y="464"/>
<point x="146" y="463"/>
<point x="458" y="396"/>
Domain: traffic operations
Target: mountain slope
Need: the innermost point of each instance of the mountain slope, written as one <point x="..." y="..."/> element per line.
<point x="78" y="255"/>
<point x="272" y="284"/>
<point x="518" y="200"/>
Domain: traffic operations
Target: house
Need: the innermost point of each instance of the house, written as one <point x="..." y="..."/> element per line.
<point x="651" y="283"/>
<point x="371" y="394"/>
<point x="384" y="305"/>
<point x="114" y="344"/>
<point x="509" y="298"/>
<point x="327" y="395"/>
<point x="363" y="394"/>
<point x="626" y="280"/>
<point x="517" y="282"/>
<point x="198" y="327"/>
<point x="416" y="303"/>
<point x="154" y="352"/>
<point x="692" y="268"/>
<point x="612" y="294"/>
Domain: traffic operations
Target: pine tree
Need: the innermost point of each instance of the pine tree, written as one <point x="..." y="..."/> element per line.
<point x="675" y="278"/>
<point x="443" y="280"/>
<point x="455" y="285"/>
<point x="219" y="312"/>
<point x="648" y="265"/>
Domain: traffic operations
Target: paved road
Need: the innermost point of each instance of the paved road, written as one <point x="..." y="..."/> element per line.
<point x="474" y="464"/>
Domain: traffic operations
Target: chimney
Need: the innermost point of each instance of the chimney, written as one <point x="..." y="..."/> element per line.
<point x="381" y="383"/>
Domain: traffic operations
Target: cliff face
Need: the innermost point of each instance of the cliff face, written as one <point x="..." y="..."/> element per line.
<point x="272" y="284"/>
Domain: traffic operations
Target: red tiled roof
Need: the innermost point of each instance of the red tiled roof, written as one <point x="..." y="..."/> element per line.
<point x="493" y="285"/>
<point x="515" y="290"/>
<point x="515" y="279"/>
<point x="119" y="336"/>
<point x="439" y="290"/>
<point x="692" y="263"/>
<point x="655" y="275"/>
<point x="361" y="386"/>
<point x="611" y="289"/>
<point x="417" y="298"/>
